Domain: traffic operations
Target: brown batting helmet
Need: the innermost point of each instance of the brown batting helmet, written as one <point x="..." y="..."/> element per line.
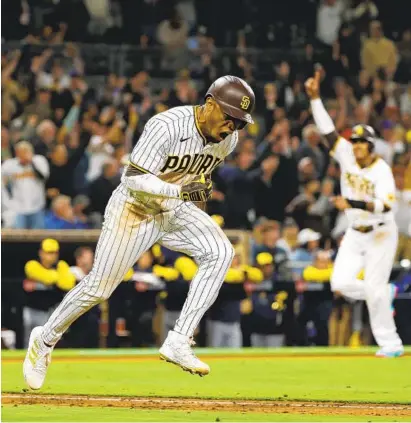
<point x="234" y="96"/>
<point x="362" y="132"/>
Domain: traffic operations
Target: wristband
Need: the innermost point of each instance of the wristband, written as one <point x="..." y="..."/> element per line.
<point x="355" y="204"/>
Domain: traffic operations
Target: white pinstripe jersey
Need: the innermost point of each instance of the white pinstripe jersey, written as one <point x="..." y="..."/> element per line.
<point x="173" y="148"/>
<point x="365" y="184"/>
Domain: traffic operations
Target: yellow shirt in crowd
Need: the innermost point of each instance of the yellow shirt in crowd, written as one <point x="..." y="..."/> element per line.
<point x="59" y="276"/>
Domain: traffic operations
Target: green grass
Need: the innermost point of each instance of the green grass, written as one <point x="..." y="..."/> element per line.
<point x="40" y="413"/>
<point x="330" y="374"/>
<point x="345" y="378"/>
<point x="151" y="352"/>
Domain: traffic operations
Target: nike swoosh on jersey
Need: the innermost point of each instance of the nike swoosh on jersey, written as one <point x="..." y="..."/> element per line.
<point x="184" y="139"/>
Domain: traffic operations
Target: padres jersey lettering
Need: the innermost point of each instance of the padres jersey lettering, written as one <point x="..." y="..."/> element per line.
<point x="193" y="165"/>
<point x="365" y="184"/>
<point x="160" y="150"/>
<point x="173" y="148"/>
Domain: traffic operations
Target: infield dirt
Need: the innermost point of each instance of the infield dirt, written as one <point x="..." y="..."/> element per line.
<point x="241" y="406"/>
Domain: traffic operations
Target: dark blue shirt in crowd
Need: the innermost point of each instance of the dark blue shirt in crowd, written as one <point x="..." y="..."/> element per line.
<point x="54" y="222"/>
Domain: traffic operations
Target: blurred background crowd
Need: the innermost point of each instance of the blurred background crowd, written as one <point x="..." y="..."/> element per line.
<point x="80" y="78"/>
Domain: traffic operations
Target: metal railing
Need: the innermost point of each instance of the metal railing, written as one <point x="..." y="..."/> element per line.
<point x="126" y="59"/>
<point x="243" y="238"/>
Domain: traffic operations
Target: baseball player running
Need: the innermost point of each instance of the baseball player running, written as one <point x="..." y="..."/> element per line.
<point x="168" y="172"/>
<point x="367" y="188"/>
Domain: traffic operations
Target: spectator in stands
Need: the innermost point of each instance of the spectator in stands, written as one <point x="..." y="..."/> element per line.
<point x="310" y="148"/>
<point x="308" y="244"/>
<point x="5" y="144"/>
<point x="47" y="280"/>
<point x="101" y="189"/>
<point x="403" y="74"/>
<point x="81" y="205"/>
<point x="405" y="107"/>
<point x="13" y="92"/>
<point x="56" y="80"/>
<point x="8" y="211"/>
<point x="349" y="47"/>
<point x="283" y="82"/>
<point x="183" y="93"/>
<point x="403" y="217"/>
<point x="329" y="19"/>
<point x="310" y="207"/>
<point x="100" y="151"/>
<point x="379" y="52"/>
<point x="361" y="13"/>
<point x="270" y="97"/>
<point x="27" y="174"/>
<point x="267" y="238"/>
<point x="270" y="193"/>
<point x="84" y="332"/>
<point x="146" y="287"/>
<point x="132" y="307"/>
<point x="84" y="257"/>
<point x="317" y="299"/>
<point x="238" y="191"/>
<point x="101" y="17"/>
<point x="243" y="69"/>
<point x="306" y="170"/>
<point x="137" y="86"/>
<point x="297" y="104"/>
<point x="387" y="146"/>
<point x="62" y="168"/>
<point x="40" y="107"/>
<point x="172" y="34"/>
<point x="268" y="310"/>
<point x="176" y="271"/>
<point x="289" y="239"/>
<point x="62" y="215"/>
<point x="17" y="15"/>
<point x="46" y="137"/>
<point x="224" y="316"/>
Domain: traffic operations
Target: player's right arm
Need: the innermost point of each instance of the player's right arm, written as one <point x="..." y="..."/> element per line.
<point x="335" y="143"/>
<point x="149" y="156"/>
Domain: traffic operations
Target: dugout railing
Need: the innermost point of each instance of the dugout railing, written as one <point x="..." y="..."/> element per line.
<point x="19" y="246"/>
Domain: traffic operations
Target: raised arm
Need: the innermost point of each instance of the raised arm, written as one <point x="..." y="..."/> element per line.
<point x="10" y="67"/>
<point x="321" y="117"/>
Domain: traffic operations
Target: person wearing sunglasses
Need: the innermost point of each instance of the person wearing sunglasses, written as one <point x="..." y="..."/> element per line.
<point x="370" y="242"/>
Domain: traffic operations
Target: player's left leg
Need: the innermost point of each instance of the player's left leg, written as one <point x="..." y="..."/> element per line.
<point x="124" y="237"/>
<point x="347" y="265"/>
<point x="193" y="232"/>
<point x="379" y="258"/>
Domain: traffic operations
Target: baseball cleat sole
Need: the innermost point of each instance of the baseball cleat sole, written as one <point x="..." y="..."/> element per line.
<point x="199" y="372"/>
<point x="389" y="354"/>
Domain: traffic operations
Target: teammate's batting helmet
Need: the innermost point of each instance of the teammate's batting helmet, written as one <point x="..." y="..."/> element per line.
<point x="234" y="96"/>
<point x="363" y="133"/>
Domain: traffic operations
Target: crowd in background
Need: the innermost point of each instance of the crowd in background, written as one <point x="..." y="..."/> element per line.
<point x="65" y="139"/>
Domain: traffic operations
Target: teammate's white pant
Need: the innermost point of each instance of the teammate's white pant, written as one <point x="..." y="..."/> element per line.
<point x="374" y="252"/>
<point x="126" y="234"/>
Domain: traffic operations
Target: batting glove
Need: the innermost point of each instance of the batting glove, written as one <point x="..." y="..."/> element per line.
<point x="197" y="190"/>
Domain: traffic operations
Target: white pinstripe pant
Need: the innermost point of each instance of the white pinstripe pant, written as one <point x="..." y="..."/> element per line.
<point x="124" y="237"/>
